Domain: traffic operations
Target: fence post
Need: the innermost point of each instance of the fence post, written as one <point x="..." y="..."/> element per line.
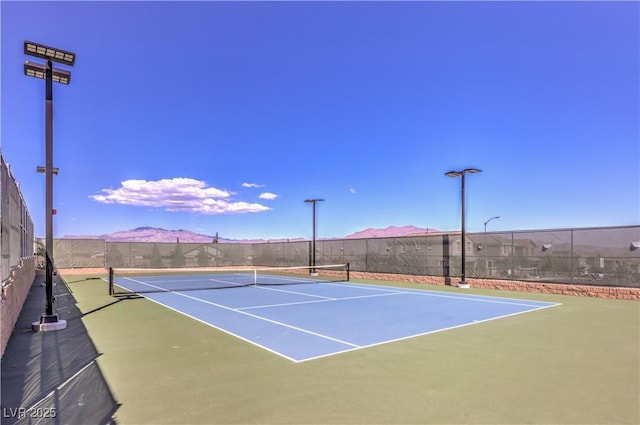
<point x="366" y="255"/>
<point x="446" y="271"/>
<point x="513" y="248"/>
<point x="571" y="258"/>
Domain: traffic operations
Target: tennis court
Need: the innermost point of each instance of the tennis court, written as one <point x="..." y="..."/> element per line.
<point x="302" y="317"/>
<point x="573" y="363"/>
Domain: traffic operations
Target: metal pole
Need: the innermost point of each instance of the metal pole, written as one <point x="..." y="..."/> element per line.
<point x="313" y="241"/>
<point x="463" y="233"/>
<point x="48" y="320"/>
<point x="462" y="173"/>
<point x="313" y="254"/>
<point x="49" y="186"/>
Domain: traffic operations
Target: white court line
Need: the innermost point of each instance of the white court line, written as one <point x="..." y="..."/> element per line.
<point x="372" y="287"/>
<point x="294" y="292"/>
<point x="387" y="290"/>
<point x="145" y="283"/>
<point x="221" y="329"/>
<point x="162" y="289"/>
<point x="479" y="300"/>
<point x="320" y="301"/>
<point x="474" y="322"/>
<point x="468" y="297"/>
<point x="176" y="309"/>
<point x="267" y="320"/>
<point x="296" y="279"/>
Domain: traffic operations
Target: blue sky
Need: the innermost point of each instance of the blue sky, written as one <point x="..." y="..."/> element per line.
<point x="224" y="117"/>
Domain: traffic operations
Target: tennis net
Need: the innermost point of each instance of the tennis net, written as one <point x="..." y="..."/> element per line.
<point x="124" y="281"/>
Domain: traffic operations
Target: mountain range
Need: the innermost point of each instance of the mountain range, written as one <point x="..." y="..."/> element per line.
<point x="154" y="234"/>
<point x="390" y="232"/>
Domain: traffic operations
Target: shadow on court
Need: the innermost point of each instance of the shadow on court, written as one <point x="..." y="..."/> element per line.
<point x="53" y="377"/>
<point x="119" y="299"/>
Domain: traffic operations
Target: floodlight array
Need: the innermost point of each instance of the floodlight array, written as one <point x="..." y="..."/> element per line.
<point x="46" y="52"/>
<point x="37" y="70"/>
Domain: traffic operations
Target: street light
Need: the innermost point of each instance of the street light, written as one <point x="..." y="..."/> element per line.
<point x="486" y="222"/>
<point x="313" y="243"/>
<point x="484" y="244"/>
<point x="463" y="283"/>
<point x="48" y="320"/>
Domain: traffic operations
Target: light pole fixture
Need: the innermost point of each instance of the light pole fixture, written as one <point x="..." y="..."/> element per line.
<point x="463" y="283"/>
<point x="484" y="244"/>
<point x="50" y="53"/>
<point x="36" y="70"/>
<point x="48" y="320"/>
<point x="487" y="222"/>
<point x="313" y="243"/>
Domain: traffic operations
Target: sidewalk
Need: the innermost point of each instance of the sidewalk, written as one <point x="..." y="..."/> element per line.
<point x="53" y="377"/>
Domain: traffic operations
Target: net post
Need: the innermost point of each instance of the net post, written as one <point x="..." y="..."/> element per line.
<point x="348" y="269"/>
<point x="255" y="277"/>
<point x="111" y="281"/>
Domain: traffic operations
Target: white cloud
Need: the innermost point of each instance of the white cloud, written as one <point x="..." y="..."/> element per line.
<point x="352" y="190"/>
<point x="268" y="195"/>
<point x="177" y="194"/>
<point x="252" y="185"/>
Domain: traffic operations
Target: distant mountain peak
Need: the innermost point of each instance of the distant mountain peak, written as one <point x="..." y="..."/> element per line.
<point x="389" y="232"/>
<point x="156" y="234"/>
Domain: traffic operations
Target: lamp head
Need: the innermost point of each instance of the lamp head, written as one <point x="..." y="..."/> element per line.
<point x="36" y="70"/>
<point x="50" y="53"/>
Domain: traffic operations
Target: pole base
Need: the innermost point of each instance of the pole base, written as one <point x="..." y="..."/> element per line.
<point x="464" y="285"/>
<point x="313" y="274"/>
<point x="48" y="323"/>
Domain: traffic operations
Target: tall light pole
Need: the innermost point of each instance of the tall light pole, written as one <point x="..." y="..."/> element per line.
<point x="313" y="243"/>
<point x="463" y="283"/>
<point x="49" y="320"/>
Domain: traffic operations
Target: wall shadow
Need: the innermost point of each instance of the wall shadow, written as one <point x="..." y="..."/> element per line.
<point x="53" y="377"/>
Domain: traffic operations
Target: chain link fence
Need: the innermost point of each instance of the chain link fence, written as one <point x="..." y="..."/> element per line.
<point x="16" y="225"/>
<point x="158" y="255"/>
<point x="597" y="256"/>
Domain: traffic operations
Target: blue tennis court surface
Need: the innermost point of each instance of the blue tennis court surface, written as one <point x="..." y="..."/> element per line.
<point x="305" y="322"/>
